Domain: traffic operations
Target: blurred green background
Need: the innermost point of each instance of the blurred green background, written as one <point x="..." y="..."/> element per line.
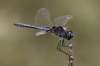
<point x="20" y="46"/>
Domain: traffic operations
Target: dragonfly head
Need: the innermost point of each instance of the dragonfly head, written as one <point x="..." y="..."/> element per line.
<point x="69" y="35"/>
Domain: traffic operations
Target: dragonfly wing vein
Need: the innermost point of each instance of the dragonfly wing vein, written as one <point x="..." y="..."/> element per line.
<point x="43" y="18"/>
<point x="62" y="20"/>
<point x="40" y="33"/>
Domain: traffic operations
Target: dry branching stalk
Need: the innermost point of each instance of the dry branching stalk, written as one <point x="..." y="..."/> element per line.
<point x="70" y="55"/>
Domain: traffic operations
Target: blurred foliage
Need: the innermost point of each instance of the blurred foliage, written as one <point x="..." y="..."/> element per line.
<point x="20" y="46"/>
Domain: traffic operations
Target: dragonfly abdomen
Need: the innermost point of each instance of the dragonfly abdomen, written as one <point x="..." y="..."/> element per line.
<point x="24" y="25"/>
<point x="47" y="29"/>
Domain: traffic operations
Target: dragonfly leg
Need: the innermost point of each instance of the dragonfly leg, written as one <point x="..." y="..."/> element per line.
<point x="63" y="43"/>
<point x="59" y="47"/>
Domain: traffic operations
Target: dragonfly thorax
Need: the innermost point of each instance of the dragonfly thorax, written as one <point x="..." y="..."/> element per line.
<point x="59" y="31"/>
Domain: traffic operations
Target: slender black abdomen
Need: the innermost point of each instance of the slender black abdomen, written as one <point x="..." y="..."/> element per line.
<point x="31" y="26"/>
<point x="24" y="25"/>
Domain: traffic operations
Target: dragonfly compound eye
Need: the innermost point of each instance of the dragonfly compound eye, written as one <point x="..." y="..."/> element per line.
<point x="70" y="34"/>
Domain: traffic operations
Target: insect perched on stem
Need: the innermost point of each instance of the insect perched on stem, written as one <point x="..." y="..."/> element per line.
<point x="45" y="25"/>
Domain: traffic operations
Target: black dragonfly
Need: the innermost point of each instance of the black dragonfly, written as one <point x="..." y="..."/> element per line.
<point x="45" y="25"/>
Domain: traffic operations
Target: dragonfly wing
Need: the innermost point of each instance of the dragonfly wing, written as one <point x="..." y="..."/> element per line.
<point x="61" y="21"/>
<point x="40" y="33"/>
<point x="43" y="18"/>
<point x="65" y="28"/>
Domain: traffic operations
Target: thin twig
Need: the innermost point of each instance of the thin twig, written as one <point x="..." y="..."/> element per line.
<point x="70" y="55"/>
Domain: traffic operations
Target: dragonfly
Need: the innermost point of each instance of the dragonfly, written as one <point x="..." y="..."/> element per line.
<point x="44" y="24"/>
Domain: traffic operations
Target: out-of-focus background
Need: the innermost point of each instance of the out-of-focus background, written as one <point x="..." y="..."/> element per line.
<point x="20" y="46"/>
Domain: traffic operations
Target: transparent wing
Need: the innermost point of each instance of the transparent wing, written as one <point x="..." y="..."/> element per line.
<point x="40" y="33"/>
<point x="43" y="18"/>
<point x="61" y="21"/>
<point x="65" y="28"/>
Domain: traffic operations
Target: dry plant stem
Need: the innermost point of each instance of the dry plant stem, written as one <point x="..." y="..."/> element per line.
<point x="70" y="55"/>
